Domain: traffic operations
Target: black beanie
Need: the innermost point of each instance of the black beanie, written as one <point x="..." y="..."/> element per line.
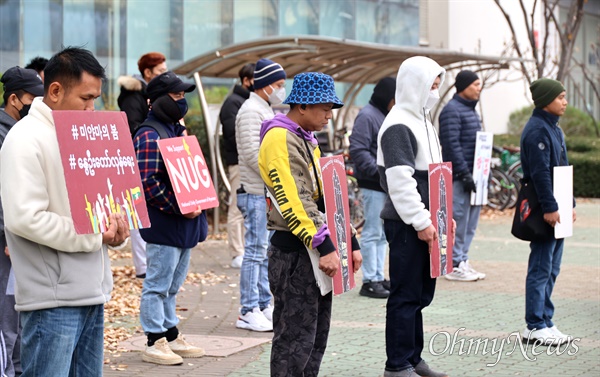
<point x="464" y="79"/>
<point x="544" y="91"/>
<point x="383" y="93"/>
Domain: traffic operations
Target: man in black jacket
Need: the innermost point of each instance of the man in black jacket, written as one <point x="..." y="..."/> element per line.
<point x="133" y="98"/>
<point x="229" y="110"/>
<point x="363" y="151"/>
<point x="459" y="123"/>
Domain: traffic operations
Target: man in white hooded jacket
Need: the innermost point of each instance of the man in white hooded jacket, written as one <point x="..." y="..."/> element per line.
<point x="407" y="144"/>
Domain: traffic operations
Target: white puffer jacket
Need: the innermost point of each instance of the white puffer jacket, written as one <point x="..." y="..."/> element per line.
<point x="247" y="136"/>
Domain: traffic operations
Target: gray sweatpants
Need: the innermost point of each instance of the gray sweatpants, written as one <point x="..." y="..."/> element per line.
<point x="10" y="327"/>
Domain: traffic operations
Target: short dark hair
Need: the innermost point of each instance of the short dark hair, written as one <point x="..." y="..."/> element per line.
<point x="247" y="71"/>
<point x="37" y="64"/>
<point x="150" y="60"/>
<point x="68" y="65"/>
<point x="19" y="93"/>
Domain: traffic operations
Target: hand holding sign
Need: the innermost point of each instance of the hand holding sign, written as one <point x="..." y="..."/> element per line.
<point x="117" y="232"/>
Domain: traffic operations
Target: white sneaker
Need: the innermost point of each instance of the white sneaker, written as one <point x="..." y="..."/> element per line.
<point x="160" y="353"/>
<point x="564" y="338"/>
<point x="255" y="321"/>
<point x="236" y="262"/>
<point x="268" y="312"/>
<point x="182" y="348"/>
<point x="461" y="273"/>
<point x="480" y="275"/>
<point x="545" y="335"/>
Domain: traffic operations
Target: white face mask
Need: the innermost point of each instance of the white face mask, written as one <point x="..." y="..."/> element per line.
<point x="432" y="99"/>
<point x="277" y="96"/>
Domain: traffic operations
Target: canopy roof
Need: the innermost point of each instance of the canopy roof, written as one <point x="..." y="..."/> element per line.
<point x="345" y="60"/>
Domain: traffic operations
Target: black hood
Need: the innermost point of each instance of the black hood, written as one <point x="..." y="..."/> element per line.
<point x="383" y="93"/>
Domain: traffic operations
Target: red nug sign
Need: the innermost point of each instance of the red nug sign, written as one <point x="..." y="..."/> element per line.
<point x="100" y="168"/>
<point x="189" y="173"/>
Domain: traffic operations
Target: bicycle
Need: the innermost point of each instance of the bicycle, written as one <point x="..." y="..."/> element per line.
<point x="502" y="190"/>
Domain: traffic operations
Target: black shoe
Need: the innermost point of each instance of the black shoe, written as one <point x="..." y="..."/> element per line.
<point x="374" y="289"/>
<point x="387" y="285"/>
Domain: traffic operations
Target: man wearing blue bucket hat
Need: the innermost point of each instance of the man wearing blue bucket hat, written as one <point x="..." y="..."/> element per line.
<point x="289" y="166"/>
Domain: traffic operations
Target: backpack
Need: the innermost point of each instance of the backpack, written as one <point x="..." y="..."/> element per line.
<point x="155" y="125"/>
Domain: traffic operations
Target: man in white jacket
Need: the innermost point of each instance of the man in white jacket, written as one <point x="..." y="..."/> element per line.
<point x="256" y="312"/>
<point x="62" y="279"/>
<point x="407" y="144"/>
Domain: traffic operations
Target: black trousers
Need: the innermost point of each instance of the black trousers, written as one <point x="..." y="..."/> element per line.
<point x="301" y="317"/>
<point x="412" y="289"/>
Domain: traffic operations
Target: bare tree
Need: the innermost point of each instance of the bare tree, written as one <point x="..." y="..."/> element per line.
<point x="538" y="58"/>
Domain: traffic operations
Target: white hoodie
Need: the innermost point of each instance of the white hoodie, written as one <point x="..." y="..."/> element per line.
<point x="407" y="143"/>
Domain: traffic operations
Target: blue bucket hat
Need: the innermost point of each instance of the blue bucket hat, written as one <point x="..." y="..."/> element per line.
<point x="311" y="88"/>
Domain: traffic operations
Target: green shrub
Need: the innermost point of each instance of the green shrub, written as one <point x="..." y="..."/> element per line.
<point x="574" y="122"/>
<point x="584" y="155"/>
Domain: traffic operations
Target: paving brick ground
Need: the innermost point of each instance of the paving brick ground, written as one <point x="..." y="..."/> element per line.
<point x="461" y="314"/>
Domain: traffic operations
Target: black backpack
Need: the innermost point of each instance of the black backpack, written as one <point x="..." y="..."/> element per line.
<point x="155" y="125"/>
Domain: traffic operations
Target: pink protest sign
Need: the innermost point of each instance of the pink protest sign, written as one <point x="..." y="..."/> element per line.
<point x="335" y="191"/>
<point x="440" y="207"/>
<point x="189" y="174"/>
<point x="100" y="169"/>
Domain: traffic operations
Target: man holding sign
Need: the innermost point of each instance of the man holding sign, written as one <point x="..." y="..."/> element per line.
<point x="288" y="160"/>
<point x="543" y="148"/>
<point x="459" y="124"/>
<point x="172" y="234"/>
<point x="63" y="278"/>
<point x="407" y="144"/>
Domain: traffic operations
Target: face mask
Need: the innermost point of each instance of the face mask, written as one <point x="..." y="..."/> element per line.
<point x="432" y="99"/>
<point x="24" y="111"/>
<point x="251" y="88"/>
<point x="167" y="109"/>
<point x="183" y="106"/>
<point x="277" y="95"/>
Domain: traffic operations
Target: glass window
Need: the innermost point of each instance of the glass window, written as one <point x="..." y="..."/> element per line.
<point x="389" y="22"/>
<point x="9" y="30"/>
<point x="299" y="17"/>
<point x="202" y="27"/>
<point x="336" y="18"/>
<point x="148" y="29"/>
<point x="254" y="19"/>
<point x="42" y="28"/>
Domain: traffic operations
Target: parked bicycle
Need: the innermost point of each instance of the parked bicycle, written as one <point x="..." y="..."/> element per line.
<point x="505" y="179"/>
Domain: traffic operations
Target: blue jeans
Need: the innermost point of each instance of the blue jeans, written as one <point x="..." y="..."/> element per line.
<point x="254" y="274"/>
<point x="467" y="218"/>
<point x="543" y="268"/>
<point x="166" y="270"/>
<point x="372" y="239"/>
<point x="65" y="341"/>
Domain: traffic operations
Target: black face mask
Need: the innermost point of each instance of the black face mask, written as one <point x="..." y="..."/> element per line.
<point x="166" y="109"/>
<point x="24" y="110"/>
<point x="251" y="88"/>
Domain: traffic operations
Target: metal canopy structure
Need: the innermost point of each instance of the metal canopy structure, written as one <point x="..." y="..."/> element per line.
<point x="344" y="60"/>
<point x="348" y="61"/>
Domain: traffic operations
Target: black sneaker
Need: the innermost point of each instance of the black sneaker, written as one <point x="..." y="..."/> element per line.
<point x="387" y="285"/>
<point x="374" y="289"/>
